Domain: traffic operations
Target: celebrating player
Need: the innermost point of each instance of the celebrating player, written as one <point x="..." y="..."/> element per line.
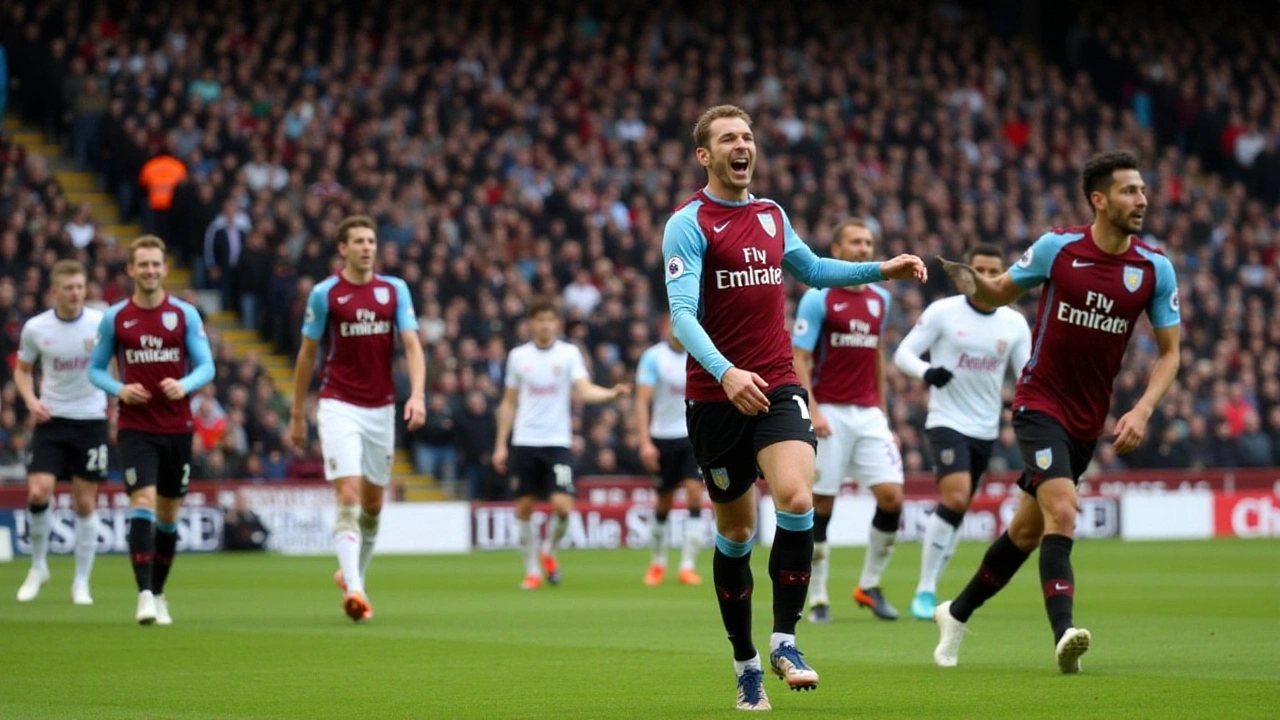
<point x="1098" y="279"/>
<point x="162" y="356"/>
<point x="724" y="251"/>
<point x="665" y="450"/>
<point x="543" y="376"/>
<point x="356" y="314"/>
<point x="971" y="346"/>
<point x="70" y="440"/>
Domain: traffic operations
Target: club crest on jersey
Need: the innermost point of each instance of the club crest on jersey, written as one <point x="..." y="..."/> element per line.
<point x="720" y="476"/>
<point x="1044" y="458"/>
<point x="169" y="320"/>
<point x="1132" y="278"/>
<point x="873" y="307"/>
<point x="90" y="343"/>
<point x="947" y="456"/>
<point x="766" y="222"/>
<point x="382" y="295"/>
<point x="131" y="476"/>
<point x="1001" y="346"/>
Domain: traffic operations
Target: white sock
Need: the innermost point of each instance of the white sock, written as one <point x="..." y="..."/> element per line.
<point x="529" y="548"/>
<point x="368" y="538"/>
<point x="878" y="553"/>
<point x="658" y="543"/>
<point x="86" y="545"/>
<point x="347" y="546"/>
<point x="38" y="525"/>
<point x="559" y="526"/>
<point x="740" y="666"/>
<point x="818" y="576"/>
<point x="951" y="550"/>
<point x="692" y="543"/>
<point x="938" y="536"/>
<point x="777" y="640"/>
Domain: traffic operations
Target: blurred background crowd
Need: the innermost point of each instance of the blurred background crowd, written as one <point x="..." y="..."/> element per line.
<point x="508" y="151"/>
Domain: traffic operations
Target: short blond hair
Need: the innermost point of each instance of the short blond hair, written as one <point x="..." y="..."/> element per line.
<point x="146" y="241"/>
<point x="702" y="129"/>
<point x="355" y="221"/>
<point x="846" y="224"/>
<point x="67" y="268"/>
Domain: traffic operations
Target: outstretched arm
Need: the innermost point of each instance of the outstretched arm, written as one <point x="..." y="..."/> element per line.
<point x="804" y="265"/>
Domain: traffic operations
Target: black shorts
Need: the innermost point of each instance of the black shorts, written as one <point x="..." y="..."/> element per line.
<point x="1048" y="451"/>
<point x="955" y="452"/>
<point x="67" y="448"/>
<point x="160" y="460"/>
<point x="726" y="442"/>
<point x="676" y="463"/>
<point x="540" y="471"/>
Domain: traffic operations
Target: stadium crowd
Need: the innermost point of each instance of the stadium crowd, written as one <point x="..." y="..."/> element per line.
<point x="513" y="151"/>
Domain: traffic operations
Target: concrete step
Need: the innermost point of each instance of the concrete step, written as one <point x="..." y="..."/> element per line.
<point x="123" y="233"/>
<point x="75" y="181"/>
<point x="420" y="494"/>
<point x="75" y="197"/>
<point x="11" y="123"/>
<point x="28" y="138"/>
<point x="401" y="467"/>
<point x="49" y="151"/>
<point x="179" y="279"/>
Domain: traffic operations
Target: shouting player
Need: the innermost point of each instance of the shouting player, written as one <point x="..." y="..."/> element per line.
<point x="724" y="252"/>
<point x="162" y="356"/>
<point x="356" y="314"/>
<point x="1098" y="280"/>
<point x="839" y="360"/>
<point x="972" y="346"/>
<point x="665" y="450"/>
<point x="543" y="376"/>
<point x="70" y="441"/>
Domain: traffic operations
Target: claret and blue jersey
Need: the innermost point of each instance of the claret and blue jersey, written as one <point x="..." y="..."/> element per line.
<point x="843" y="329"/>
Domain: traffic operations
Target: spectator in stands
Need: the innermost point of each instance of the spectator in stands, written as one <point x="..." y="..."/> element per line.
<point x="160" y="177"/>
<point x="433" y="444"/>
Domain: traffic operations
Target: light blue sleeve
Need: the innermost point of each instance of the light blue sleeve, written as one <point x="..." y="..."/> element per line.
<point x="103" y="350"/>
<point x="202" y="370"/>
<point x="1165" y="310"/>
<point x="804" y="265"/>
<point x="683" y="246"/>
<point x="647" y="370"/>
<point x="811" y="313"/>
<point x="887" y="299"/>
<point x="1033" y="268"/>
<point x="316" y="318"/>
<point x="405" y="318"/>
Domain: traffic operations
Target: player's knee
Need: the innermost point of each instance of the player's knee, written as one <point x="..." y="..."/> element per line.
<point x="794" y="498"/>
<point x="737" y="534"/>
<point x="38" y="496"/>
<point x="1060" y="518"/>
<point x="956" y="500"/>
<point x="84" y="504"/>
<point x="889" y="500"/>
<point x="348" y="519"/>
<point x="369" y="522"/>
<point x="736" y="543"/>
<point x="1025" y="536"/>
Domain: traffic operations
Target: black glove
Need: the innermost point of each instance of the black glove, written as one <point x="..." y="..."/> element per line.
<point x="938" y="376"/>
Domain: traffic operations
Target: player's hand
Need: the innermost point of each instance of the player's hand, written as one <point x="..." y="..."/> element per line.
<point x="904" y="267"/>
<point x="298" y="432"/>
<point x="621" y="390"/>
<point x="1130" y="430"/>
<point x="500" y="460"/>
<point x="938" y="376"/>
<point x="134" y="394"/>
<point x="649" y="456"/>
<point x="39" y="412"/>
<point x="415" y="412"/>
<point x="821" y="427"/>
<point x="962" y="276"/>
<point x="172" y="389"/>
<point x="745" y="390"/>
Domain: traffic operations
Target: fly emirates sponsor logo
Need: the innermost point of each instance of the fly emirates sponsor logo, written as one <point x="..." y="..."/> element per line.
<point x="1095" y="315"/>
<point x="753" y="274"/>
<point x="152" y="350"/>
<point x="367" y="323"/>
<point x="859" y="336"/>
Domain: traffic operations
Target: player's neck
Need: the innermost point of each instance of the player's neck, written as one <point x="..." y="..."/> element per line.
<point x="356" y="277"/>
<point x="148" y="300"/>
<point x="67" y="314"/>
<point x="1109" y="238"/>
<point x="544" y="345"/>
<point x="718" y="191"/>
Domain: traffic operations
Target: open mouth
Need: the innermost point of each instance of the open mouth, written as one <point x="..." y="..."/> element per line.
<point x="739" y="165"/>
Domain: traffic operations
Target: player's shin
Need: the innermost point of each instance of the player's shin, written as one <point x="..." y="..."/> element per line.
<point x="38" y="524"/>
<point x="86" y="545"/>
<point x="821" y="561"/>
<point x="658" y="539"/>
<point x="559" y="528"/>
<point x="347" y="546"/>
<point x="166" y="545"/>
<point x="368" y="538"/>
<point x="884" y="531"/>
<point x="1057" y="579"/>
<point x="529" y="549"/>
<point x="731" y="569"/>
<point x="941" y="530"/>
<point x="999" y="565"/>
<point x="693" y="530"/>
<point x="142" y="545"/>
<point x="790" y="565"/>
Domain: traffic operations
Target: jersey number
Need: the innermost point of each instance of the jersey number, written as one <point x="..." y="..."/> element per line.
<point x="97" y="459"/>
<point x="804" y="407"/>
<point x="564" y="475"/>
<point x="186" y="474"/>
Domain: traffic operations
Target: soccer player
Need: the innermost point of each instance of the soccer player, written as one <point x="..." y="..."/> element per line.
<point x="70" y="440"/>
<point x="972" y="346"/>
<point x="162" y="355"/>
<point x="724" y="253"/>
<point x="839" y="361"/>
<point x="1098" y="279"/>
<point x="356" y="314"/>
<point x="665" y="450"/>
<point x="543" y="376"/>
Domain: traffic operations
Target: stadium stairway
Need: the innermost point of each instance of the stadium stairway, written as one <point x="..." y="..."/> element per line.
<point x="80" y="186"/>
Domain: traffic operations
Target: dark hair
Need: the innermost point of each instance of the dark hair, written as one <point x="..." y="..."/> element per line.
<point x="846" y="224"/>
<point x="702" y="130"/>
<point x="986" y="250"/>
<point x="541" y="305"/>
<point x="1096" y="176"/>
<point x="350" y="223"/>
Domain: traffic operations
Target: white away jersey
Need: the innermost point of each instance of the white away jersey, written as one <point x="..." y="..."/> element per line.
<point x="544" y="379"/>
<point x="664" y="369"/>
<point x="980" y="349"/>
<point x="64" y="348"/>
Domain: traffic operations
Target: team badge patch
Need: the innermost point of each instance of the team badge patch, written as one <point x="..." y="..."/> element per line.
<point x="1001" y="346"/>
<point x="169" y="320"/>
<point x="720" y="476"/>
<point x="675" y="267"/>
<point x="90" y="343"/>
<point x="947" y="456"/>
<point x="131" y="476"/>
<point x="1132" y="278"/>
<point x="1027" y="257"/>
<point x="1174" y="304"/>
<point x="873" y="307"/>
<point x="766" y="222"/>
<point x="382" y="295"/>
<point x="1044" y="458"/>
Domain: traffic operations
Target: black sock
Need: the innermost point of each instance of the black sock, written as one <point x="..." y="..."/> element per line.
<point x="695" y="512"/>
<point x="999" y="565"/>
<point x="142" y="547"/>
<point x="1058" y="581"/>
<point x="661" y="516"/>
<point x="886" y="520"/>
<point x="166" y="548"/>
<point x="790" y="563"/>
<point x="820" y="523"/>
<point x="734" y="584"/>
<point x="948" y="516"/>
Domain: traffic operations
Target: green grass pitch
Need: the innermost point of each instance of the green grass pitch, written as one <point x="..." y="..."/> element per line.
<point x="1181" y="630"/>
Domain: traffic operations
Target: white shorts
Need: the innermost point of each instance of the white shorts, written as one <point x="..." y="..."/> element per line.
<point x="860" y="447"/>
<point x="357" y="441"/>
